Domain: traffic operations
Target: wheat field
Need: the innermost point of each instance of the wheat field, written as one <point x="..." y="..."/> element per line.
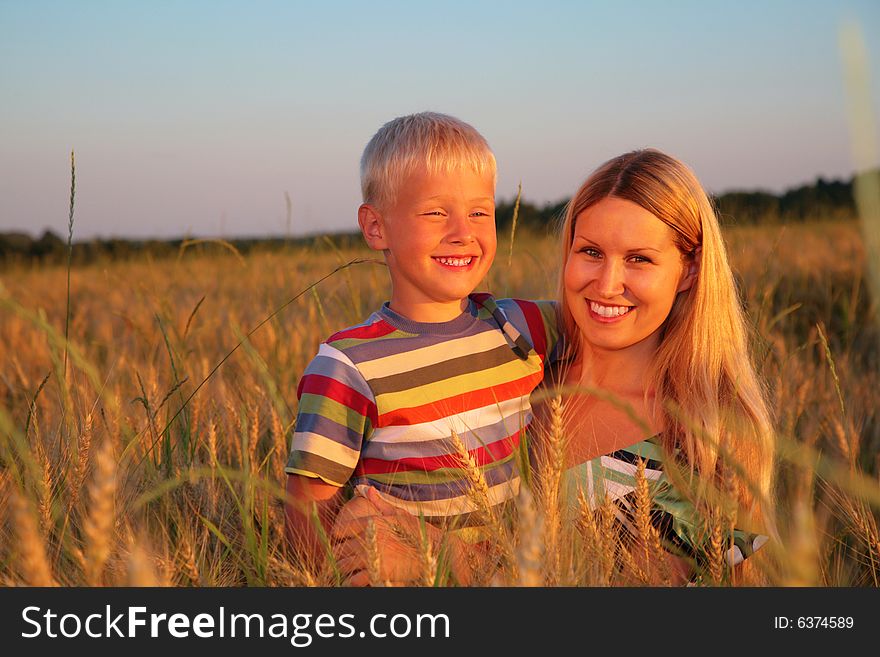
<point x="107" y="476"/>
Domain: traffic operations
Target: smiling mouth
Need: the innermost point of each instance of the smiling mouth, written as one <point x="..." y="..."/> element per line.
<point x="455" y="262"/>
<point x="609" y="312"/>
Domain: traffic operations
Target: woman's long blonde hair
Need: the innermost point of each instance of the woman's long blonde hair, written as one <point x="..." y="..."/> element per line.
<point x="705" y="385"/>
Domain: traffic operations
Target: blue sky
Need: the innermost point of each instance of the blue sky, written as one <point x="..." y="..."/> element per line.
<point x="195" y="118"/>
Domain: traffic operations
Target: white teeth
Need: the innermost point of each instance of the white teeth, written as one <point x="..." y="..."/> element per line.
<point x="456" y="262"/>
<point x="609" y="311"/>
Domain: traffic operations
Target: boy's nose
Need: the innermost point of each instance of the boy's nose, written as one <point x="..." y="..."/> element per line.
<point x="610" y="283"/>
<point x="460" y="229"/>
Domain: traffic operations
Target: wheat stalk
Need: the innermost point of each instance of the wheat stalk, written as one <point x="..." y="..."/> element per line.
<point x="427" y="557"/>
<point x="530" y="545"/>
<point x="141" y="572"/>
<point x="98" y="525"/>
<point x="212" y="445"/>
<point x="499" y="541"/>
<point x="551" y="480"/>
<point x="649" y="536"/>
<point x="253" y="436"/>
<point x="45" y="489"/>
<point x="716" y="549"/>
<point x="34" y="564"/>
<point x="592" y="540"/>
<point x="374" y="563"/>
<point x="478" y="489"/>
<point x="188" y="558"/>
<point x="81" y="464"/>
<point x="280" y="444"/>
<point x="69" y="257"/>
<point x="608" y="539"/>
<point x="235" y="432"/>
<point x="513" y="223"/>
<point x="848" y="448"/>
<point x="212" y="456"/>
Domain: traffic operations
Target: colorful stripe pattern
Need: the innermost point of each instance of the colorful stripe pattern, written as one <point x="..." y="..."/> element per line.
<point x="678" y="521"/>
<point x="379" y="403"/>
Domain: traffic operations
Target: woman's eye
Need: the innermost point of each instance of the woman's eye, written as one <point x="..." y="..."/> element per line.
<point x="638" y="259"/>
<point x="591" y="252"/>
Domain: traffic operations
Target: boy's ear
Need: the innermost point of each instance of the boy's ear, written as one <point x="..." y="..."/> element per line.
<point x="372" y="226"/>
<point x="692" y="270"/>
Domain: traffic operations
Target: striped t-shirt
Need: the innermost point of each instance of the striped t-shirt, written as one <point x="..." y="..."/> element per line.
<point x="379" y="403"/>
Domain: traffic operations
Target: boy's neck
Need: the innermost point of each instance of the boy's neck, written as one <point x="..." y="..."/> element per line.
<point x="433" y="312"/>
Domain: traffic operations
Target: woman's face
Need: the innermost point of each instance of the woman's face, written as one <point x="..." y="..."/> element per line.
<point x="622" y="275"/>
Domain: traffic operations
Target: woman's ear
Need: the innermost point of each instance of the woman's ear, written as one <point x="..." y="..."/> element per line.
<point x="372" y="226"/>
<point x="692" y="270"/>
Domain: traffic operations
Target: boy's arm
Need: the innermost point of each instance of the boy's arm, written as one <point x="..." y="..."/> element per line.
<point x="553" y="331"/>
<point x="310" y="501"/>
<point x="335" y="414"/>
<point x="540" y="322"/>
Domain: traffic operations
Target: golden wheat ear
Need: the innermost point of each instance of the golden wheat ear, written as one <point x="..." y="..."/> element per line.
<point x="35" y="568"/>
<point x="140" y="565"/>
<point x="98" y="527"/>
<point x="530" y="548"/>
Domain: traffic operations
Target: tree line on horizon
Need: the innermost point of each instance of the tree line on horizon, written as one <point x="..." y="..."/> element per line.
<point x="823" y="199"/>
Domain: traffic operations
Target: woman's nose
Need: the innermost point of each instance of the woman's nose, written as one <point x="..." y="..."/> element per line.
<point x="611" y="279"/>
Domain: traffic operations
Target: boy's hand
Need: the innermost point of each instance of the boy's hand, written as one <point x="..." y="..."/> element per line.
<point x="391" y="553"/>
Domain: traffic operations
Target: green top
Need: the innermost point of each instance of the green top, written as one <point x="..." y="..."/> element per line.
<point x="673" y="514"/>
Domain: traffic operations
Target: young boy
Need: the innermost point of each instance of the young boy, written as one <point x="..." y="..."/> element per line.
<point x="380" y="402"/>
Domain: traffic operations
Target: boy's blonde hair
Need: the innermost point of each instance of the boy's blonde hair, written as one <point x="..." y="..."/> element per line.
<point x="712" y="400"/>
<point x="439" y="142"/>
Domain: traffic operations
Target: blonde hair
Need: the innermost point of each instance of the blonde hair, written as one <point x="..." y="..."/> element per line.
<point x="706" y="387"/>
<point x="439" y="142"/>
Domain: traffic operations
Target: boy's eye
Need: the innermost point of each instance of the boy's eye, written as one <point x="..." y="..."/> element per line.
<point x="479" y="213"/>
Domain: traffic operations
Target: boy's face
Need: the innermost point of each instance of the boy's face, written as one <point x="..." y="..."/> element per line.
<point x="439" y="240"/>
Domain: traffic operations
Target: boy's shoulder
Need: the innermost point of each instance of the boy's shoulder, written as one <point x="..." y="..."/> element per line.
<point x="373" y="328"/>
<point x="520" y="311"/>
<point x="537" y="320"/>
<point x="487" y="299"/>
<point x="381" y="335"/>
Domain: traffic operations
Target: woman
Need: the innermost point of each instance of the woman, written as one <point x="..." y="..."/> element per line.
<point x="658" y="358"/>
